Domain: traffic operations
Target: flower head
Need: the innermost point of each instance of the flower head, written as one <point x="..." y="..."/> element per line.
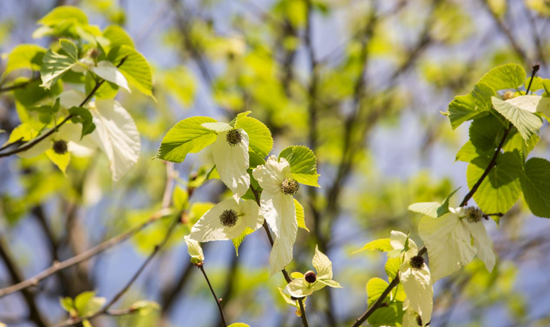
<point x="306" y="284"/>
<point x="230" y="151"/>
<point x="278" y="208"/>
<point x="414" y="275"/>
<point x="227" y="220"/>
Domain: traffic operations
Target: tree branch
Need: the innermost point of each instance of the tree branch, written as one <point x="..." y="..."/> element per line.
<point x="19" y="86"/>
<point x="39" y="139"/>
<point x="218" y="300"/>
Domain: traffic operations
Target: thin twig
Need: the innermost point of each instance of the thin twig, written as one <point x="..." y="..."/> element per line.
<point x="218" y="300"/>
<point x="19" y="86"/>
<point x="105" y="309"/>
<point x="33" y="281"/>
<point x="39" y="139"/>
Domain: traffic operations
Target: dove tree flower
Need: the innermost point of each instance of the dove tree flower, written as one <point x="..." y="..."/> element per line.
<point x="448" y="234"/>
<point x="115" y="132"/>
<point x="227" y="220"/>
<point x="305" y="284"/>
<point x="233" y="146"/>
<point x="279" y="183"/>
<point x="59" y="146"/>
<point x="414" y="276"/>
<point x="412" y="319"/>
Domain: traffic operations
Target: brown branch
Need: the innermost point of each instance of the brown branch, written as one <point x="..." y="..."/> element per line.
<point x="105" y="309"/>
<point x="33" y="281"/>
<point x="218" y="300"/>
<point x="284" y="272"/>
<point x="19" y="86"/>
<point x="15" y="274"/>
<point x="39" y="139"/>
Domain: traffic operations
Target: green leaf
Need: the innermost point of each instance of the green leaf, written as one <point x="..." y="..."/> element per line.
<point x="526" y="122"/>
<point x="238" y="240"/>
<point x="64" y="14"/>
<point x="500" y="190"/>
<point x="486" y="133"/>
<point x="509" y="76"/>
<point x="67" y="304"/>
<point x="470" y="106"/>
<point x="54" y="64"/>
<point x="24" y="56"/>
<point x="145" y="307"/>
<point x="392" y="266"/>
<point x="433" y="209"/>
<point x="180" y="198"/>
<point x="259" y="135"/>
<point x="375" y="287"/>
<point x="238" y="324"/>
<point x="535" y="183"/>
<point x="382" y="245"/>
<point x="300" y="216"/>
<point x="107" y="90"/>
<point x="303" y="164"/>
<point x="83" y="116"/>
<point x="516" y="142"/>
<point x="118" y="36"/>
<point x="136" y="69"/>
<point x="187" y="136"/>
<point x="81" y="301"/>
<point x="469" y="152"/>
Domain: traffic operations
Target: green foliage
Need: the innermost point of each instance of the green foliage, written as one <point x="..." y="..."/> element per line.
<point x="303" y="164"/>
<point x="187" y="136"/>
<point x="84" y="117"/>
<point x="56" y="64"/>
<point x="388" y="315"/>
<point x="526" y="122"/>
<point x="433" y="209"/>
<point x="382" y="245"/>
<point x="300" y="215"/>
<point x="117" y="36"/>
<point x="135" y="68"/>
<point x="470" y="106"/>
<point x="259" y="135"/>
<point x="501" y="189"/>
<point x="509" y="76"/>
<point x="24" y="56"/>
<point x="535" y="182"/>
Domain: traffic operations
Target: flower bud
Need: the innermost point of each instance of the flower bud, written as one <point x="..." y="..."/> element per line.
<point x="310" y="277"/>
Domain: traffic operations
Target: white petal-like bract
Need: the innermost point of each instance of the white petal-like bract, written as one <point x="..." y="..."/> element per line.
<point x="232" y="163"/>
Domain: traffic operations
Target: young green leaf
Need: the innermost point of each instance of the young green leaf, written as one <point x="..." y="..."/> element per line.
<point x="187" y="136"/>
<point x="509" y="76"/>
<point x="300" y="216"/>
<point x="63" y="15"/>
<point x="84" y="117"/>
<point x="24" y="56"/>
<point x="433" y="209"/>
<point x="303" y="164"/>
<point x="526" y="122"/>
<point x="535" y="183"/>
<point x="382" y="245"/>
<point x="470" y="106"/>
<point x="117" y="36"/>
<point x="54" y="64"/>
<point x="136" y="69"/>
<point x="501" y="189"/>
<point x="486" y="133"/>
<point x="259" y="135"/>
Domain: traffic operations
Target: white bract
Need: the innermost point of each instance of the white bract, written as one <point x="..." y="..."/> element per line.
<point x="412" y="319"/>
<point x="278" y="208"/>
<point x="449" y="241"/>
<point x="194" y="249"/>
<point x="116" y="133"/>
<point x="415" y="276"/>
<point x="227" y="220"/>
<point x="230" y="151"/>
<point x="305" y="285"/>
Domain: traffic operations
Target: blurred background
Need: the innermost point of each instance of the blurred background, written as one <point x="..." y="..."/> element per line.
<point x="361" y="82"/>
